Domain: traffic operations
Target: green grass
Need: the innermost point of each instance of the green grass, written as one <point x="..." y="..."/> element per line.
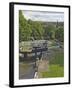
<point x="57" y="58"/>
<point x="56" y="65"/>
<point x="54" y="71"/>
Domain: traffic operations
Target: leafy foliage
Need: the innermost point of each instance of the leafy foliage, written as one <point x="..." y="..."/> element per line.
<point x="36" y="30"/>
<point x="59" y="34"/>
<point x="49" y="32"/>
<point x="24" y="28"/>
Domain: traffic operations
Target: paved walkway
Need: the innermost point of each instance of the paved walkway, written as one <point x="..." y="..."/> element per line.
<point x="43" y="66"/>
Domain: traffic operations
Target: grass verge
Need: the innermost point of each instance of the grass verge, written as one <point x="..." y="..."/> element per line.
<point x="56" y="65"/>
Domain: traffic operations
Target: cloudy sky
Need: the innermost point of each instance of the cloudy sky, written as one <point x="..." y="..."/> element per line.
<point x="44" y="16"/>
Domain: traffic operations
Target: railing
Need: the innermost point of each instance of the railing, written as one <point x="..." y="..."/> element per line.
<point x="33" y="49"/>
<point x="35" y="53"/>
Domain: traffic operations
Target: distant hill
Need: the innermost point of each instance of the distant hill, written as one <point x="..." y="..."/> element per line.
<point x="53" y="23"/>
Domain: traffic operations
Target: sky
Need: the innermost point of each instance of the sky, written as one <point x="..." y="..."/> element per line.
<point x="44" y="16"/>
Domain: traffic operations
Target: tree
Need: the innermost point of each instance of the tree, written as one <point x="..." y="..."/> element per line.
<point x="59" y="34"/>
<point x="24" y="28"/>
<point x="37" y="29"/>
<point x="49" y="32"/>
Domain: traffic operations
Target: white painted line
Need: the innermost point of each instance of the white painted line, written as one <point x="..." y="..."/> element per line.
<point x="36" y="75"/>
